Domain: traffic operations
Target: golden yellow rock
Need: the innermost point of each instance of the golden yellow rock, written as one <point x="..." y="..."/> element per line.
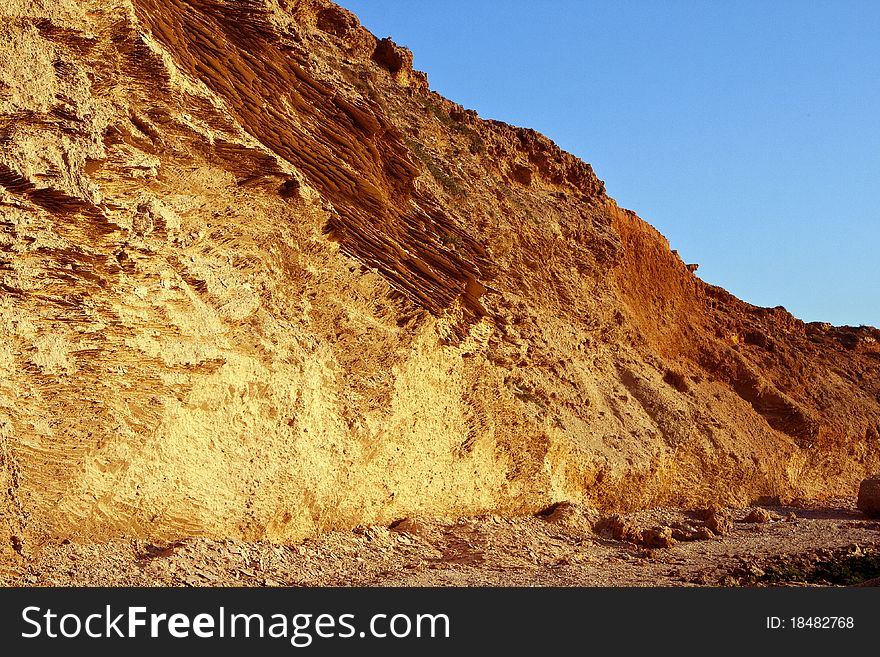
<point x="257" y="281"/>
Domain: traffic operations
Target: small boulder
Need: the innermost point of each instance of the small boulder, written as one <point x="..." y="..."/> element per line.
<point x="758" y="515"/>
<point x="718" y="519"/>
<point x="658" y="537"/>
<point x="571" y="516"/>
<point x="869" y="497"/>
<point x="704" y="534"/>
<point x="683" y="532"/>
<point x="688" y="532"/>
<point x="619" y="529"/>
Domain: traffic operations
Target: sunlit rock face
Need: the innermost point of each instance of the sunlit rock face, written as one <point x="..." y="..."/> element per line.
<point x="258" y="281"/>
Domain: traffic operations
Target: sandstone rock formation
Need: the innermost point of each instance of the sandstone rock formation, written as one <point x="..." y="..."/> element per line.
<point x="258" y="281"/>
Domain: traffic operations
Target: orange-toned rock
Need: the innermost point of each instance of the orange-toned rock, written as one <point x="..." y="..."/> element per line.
<point x="258" y="281"/>
<point x="572" y="516"/>
<point x="869" y="497"/>
<point x="718" y="519"/>
<point x="758" y="515"/>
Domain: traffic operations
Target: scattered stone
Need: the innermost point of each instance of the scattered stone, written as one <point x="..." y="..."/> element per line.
<point x="869" y="497"/>
<point x="863" y="525"/>
<point x="718" y="519"/>
<point x="622" y="530"/>
<point x="791" y="517"/>
<point x="409" y="526"/>
<point x="870" y="582"/>
<point x="686" y="532"/>
<point x="619" y="529"/>
<point x="702" y="579"/>
<point x="758" y="515"/>
<point x="683" y="533"/>
<point x="574" y="558"/>
<point x="658" y="537"/>
<point x="752" y="570"/>
<point x="705" y="534"/>
<point x="571" y="516"/>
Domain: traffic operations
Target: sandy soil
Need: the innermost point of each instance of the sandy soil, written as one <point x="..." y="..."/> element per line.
<point x="797" y="546"/>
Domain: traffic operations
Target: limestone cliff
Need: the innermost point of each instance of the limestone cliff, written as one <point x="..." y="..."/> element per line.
<point x="258" y="281"/>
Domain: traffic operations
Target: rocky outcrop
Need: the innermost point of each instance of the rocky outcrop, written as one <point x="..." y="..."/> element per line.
<point x="257" y="280"/>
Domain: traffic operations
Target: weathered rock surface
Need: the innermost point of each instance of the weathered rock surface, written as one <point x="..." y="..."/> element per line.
<point x="718" y="520"/>
<point x="868" y="500"/>
<point x="658" y="537"/>
<point x="258" y="281"/>
<point x="572" y="516"/>
<point x="758" y="515"/>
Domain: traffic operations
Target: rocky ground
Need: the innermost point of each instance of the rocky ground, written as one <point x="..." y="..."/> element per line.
<point x="803" y="545"/>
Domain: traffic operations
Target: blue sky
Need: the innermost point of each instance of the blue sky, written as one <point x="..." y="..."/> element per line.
<point x="748" y="133"/>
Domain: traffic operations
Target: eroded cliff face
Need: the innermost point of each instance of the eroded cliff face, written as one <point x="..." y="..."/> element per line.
<point x="258" y="281"/>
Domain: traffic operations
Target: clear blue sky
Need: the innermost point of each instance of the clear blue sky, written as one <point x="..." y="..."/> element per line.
<point x="747" y="132"/>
